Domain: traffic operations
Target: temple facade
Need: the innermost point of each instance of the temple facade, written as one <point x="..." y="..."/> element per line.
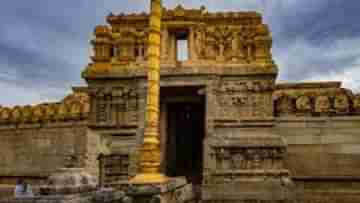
<point x="225" y="124"/>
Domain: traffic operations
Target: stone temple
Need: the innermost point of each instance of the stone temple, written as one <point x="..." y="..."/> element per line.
<point x="226" y="126"/>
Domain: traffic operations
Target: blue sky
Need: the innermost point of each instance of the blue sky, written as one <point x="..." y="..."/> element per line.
<point x="44" y="44"/>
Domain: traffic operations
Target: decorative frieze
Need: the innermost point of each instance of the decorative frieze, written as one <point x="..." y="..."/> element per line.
<point x="72" y="108"/>
<point x="314" y="100"/>
<point x="249" y="158"/>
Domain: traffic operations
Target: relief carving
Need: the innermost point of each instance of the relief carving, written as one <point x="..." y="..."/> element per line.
<point x="27" y="114"/>
<point x="102" y="44"/>
<point x="284" y="106"/>
<point x="238" y="161"/>
<point x="322" y="104"/>
<point x="303" y="105"/>
<point x="116" y="106"/>
<point x="62" y="112"/>
<point x="315" y="101"/>
<point x="16" y="115"/>
<point x="341" y="104"/>
<point x="129" y="45"/>
<point x="38" y="113"/>
<point x="115" y="168"/>
<point x="238" y="99"/>
<point x="356" y="103"/>
<point x="199" y="41"/>
<point x="247" y="47"/>
<point x="241" y="44"/>
<point x="242" y="158"/>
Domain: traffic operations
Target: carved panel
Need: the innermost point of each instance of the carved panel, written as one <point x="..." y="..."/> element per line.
<point x="241" y="158"/>
<point x="241" y="44"/>
<point x="115" y="106"/>
<point x="130" y="44"/>
<point x="242" y="99"/>
<point x="114" y="168"/>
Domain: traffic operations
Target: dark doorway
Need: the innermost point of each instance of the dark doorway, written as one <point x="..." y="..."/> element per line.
<point x="185" y="133"/>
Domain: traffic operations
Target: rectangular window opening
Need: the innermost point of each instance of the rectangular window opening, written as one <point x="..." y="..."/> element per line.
<point x="182" y="49"/>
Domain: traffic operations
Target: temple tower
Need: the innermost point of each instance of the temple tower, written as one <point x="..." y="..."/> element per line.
<point x="216" y="87"/>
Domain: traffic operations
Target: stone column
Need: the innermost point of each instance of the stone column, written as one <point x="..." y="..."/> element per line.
<point x="150" y="153"/>
<point x="191" y="45"/>
<point x="235" y="48"/>
<point x="164" y="44"/>
<point x="172" y="49"/>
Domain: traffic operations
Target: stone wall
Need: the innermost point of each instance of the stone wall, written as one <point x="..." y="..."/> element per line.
<point x="323" y="156"/>
<point x="321" y="147"/>
<point x="91" y="161"/>
<point x="328" y="190"/>
<point x="36" y="140"/>
<point x="86" y="197"/>
<point x="35" y="151"/>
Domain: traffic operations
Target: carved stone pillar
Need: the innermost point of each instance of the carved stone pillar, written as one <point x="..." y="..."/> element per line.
<point x="242" y="52"/>
<point x="164" y="44"/>
<point x="250" y="49"/>
<point x="191" y="47"/>
<point x="141" y="52"/>
<point x="172" y="49"/>
<point x="221" y="52"/>
<point x="234" y="48"/>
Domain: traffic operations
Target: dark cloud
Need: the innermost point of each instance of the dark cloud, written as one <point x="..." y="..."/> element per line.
<point x="311" y="38"/>
<point x="45" y="44"/>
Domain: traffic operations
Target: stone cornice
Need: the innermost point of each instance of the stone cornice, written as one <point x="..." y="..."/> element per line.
<point x="111" y="71"/>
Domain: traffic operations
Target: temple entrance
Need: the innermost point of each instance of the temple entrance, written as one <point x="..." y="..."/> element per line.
<point x="185" y="120"/>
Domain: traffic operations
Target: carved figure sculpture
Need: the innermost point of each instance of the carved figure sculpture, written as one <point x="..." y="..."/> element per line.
<point x="62" y="112"/>
<point x="284" y="106"/>
<point x="4" y="115"/>
<point x="75" y="110"/>
<point x="199" y="35"/>
<point x="38" y="113"/>
<point x="356" y="103"/>
<point x="50" y="112"/>
<point x="303" y="105"/>
<point x="26" y="114"/>
<point x="238" y="161"/>
<point x="322" y="105"/>
<point x="341" y="104"/>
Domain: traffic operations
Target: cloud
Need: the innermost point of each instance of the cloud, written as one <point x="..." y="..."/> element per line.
<point x="45" y="44"/>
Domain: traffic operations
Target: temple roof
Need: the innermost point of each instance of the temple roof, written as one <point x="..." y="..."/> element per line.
<point x="181" y="13"/>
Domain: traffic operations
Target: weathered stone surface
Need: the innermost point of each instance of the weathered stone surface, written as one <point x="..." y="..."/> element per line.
<point x="262" y="142"/>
